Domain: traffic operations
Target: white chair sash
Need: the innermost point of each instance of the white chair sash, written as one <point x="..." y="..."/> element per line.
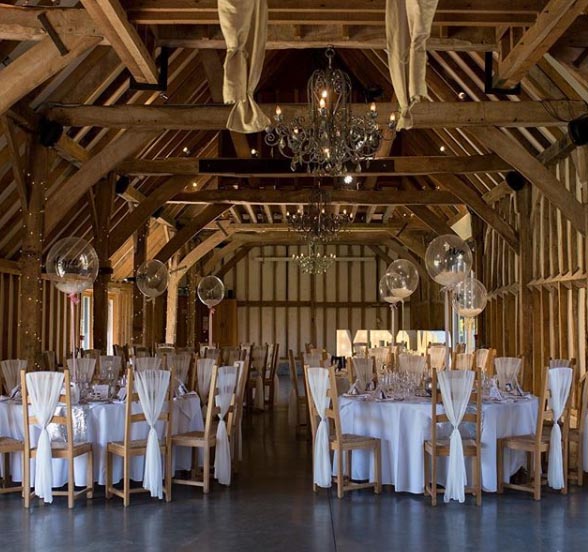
<point x="312" y="359"/>
<point x="181" y="366"/>
<point x="560" y="363"/>
<point x="507" y="370"/>
<point x="413" y="364"/>
<point x="560" y="382"/>
<point x="482" y="358"/>
<point x="226" y="383"/>
<point x="463" y="361"/>
<point x="205" y="366"/>
<point x="11" y="372"/>
<point x="82" y="370"/>
<point x="152" y="386"/>
<point x="437" y="356"/>
<point x="318" y="383"/>
<point x="363" y="371"/>
<point x="147" y="363"/>
<point x="44" y="389"/>
<point x="115" y="363"/>
<point x="456" y="389"/>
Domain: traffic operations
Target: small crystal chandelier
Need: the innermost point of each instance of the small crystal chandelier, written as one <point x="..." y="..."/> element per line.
<point x="316" y="222"/>
<point x="331" y="141"/>
<point x="315" y="262"/>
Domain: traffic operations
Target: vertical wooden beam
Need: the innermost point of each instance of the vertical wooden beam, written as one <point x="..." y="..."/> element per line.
<point x="478" y="230"/>
<point x="103" y="201"/>
<point x="171" y="315"/>
<point x="31" y="289"/>
<point x="524" y="204"/>
<point x="139" y="257"/>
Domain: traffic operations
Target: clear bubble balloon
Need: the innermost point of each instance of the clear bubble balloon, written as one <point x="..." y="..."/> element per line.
<point x="448" y="260"/>
<point x="386" y="290"/>
<point x="403" y="278"/>
<point x="72" y="265"/>
<point x="151" y="278"/>
<point x="470" y="297"/>
<point x="211" y="291"/>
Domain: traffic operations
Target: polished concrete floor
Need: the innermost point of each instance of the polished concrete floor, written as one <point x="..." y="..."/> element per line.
<point x="271" y="506"/>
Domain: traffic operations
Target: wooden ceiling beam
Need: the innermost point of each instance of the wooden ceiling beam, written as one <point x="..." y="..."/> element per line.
<point x="74" y="188"/>
<point x="336" y="197"/>
<point x="436" y="223"/>
<point x="425" y="115"/>
<point x="534" y="171"/>
<point x="240" y="254"/>
<point x="185" y="234"/>
<point x="16" y="159"/>
<point x="111" y="19"/>
<point x="38" y="64"/>
<point x="280" y="167"/>
<point x="551" y="24"/>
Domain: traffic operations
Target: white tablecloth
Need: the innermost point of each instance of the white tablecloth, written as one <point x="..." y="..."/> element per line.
<point x="403" y="426"/>
<point x="105" y="422"/>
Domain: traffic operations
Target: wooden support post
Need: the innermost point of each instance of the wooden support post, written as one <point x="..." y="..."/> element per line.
<point x="171" y="316"/>
<point x="192" y="298"/>
<point x="478" y="228"/>
<point x="525" y="258"/>
<point x="102" y="203"/>
<point x="140" y="255"/>
<point x="31" y="288"/>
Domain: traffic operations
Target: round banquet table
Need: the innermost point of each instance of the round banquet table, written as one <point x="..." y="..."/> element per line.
<point x="100" y="423"/>
<point x="403" y="426"/>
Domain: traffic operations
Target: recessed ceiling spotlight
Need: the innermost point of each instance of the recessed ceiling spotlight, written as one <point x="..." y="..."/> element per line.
<point x="442" y="149"/>
<point x="186" y="150"/>
<point x="348" y="179"/>
<point x="253" y="152"/>
<point x="461" y="96"/>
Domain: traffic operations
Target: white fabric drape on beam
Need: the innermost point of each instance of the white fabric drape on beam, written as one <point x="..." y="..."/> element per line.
<point x="44" y="389"/>
<point x="226" y="383"/>
<point x="318" y="383"/>
<point x="456" y="388"/>
<point x="244" y="27"/>
<point x="152" y="386"/>
<point x="408" y="26"/>
<point x="560" y="382"/>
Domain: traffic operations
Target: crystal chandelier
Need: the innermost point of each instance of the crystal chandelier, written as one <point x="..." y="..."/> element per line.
<point x="331" y="140"/>
<point x="315" y="262"/>
<point x="316" y="222"/>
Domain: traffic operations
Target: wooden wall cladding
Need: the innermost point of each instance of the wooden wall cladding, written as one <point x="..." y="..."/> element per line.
<point x="279" y="303"/>
<point x="558" y="284"/>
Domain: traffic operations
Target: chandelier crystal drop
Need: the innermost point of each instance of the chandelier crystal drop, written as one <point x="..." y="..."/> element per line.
<point x="316" y="222"/>
<point x="330" y="140"/>
<point x="315" y="261"/>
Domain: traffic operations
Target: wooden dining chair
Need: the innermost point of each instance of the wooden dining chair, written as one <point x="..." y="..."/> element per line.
<point x="437" y="357"/>
<point x="484" y="361"/>
<point x="48" y="361"/>
<point x="10" y="374"/>
<point x="269" y="377"/>
<point x="237" y="436"/>
<point x="68" y="450"/>
<point x="343" y="444"/>
<point x="130" y="448"/>
<point x="536" y="445"/>
<point x="577" y="432"/>
<point x="9" y="446"/>
<point x="440" y="446"/>
<point x="255" y="394"/>
<point x="297" y="402"/>
<point x="207" y="439"/>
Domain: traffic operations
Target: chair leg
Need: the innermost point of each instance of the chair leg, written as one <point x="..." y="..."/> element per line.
<point x="206" y="470"/>
<point x="90" y="475"/>
<point x="580" y="466"/>
<point x="478" y="478"/>
<point x="378" y="466"/>
<point x="537" y="475"/>
<point x="566" y="463"/>
<point x="168" y="473"/>
<point x="500" y="465"/>
<point x="107" y="492"/>
<point x="126" y="481"/>
<point x="348" y="465"/>
<point x="434" y="480"/>
<point x="26" y="480"/>
<point x="427" y="471"/>
<point x="340" y="474"/>
<point x="70" y="483"/>
<point x="6" y="478"/>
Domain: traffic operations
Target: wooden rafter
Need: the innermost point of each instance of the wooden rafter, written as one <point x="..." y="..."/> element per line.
<point x="111" y="19"/>
<point x="552" y="22"/>
<point x="17" y="162"/>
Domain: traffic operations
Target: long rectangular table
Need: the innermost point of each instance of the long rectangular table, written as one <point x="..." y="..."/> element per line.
<point x="100" y="423"/>
<point x="403" y="426"/>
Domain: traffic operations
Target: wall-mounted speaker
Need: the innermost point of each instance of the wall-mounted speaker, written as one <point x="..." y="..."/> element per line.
<point x="578" y="131"/>
<point x="515" y="180"/>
